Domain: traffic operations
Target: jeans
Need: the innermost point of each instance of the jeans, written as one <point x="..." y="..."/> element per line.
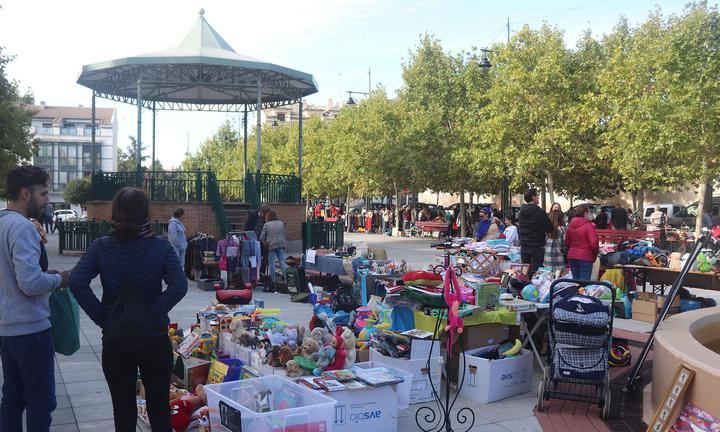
<point x="121" y="368"/>
<point x="28" y="364"/>
<point x="278" y="254"/>
<point x="580" y="269"/>
<point x="181" y="255"/>
<point x="533" y="256"/>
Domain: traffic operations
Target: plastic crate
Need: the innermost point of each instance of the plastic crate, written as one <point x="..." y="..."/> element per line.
<point x="290" y="407"/>
<point x="209" y="284"/>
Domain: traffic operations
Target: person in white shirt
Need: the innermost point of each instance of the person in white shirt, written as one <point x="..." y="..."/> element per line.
<point x="511" y="233"/>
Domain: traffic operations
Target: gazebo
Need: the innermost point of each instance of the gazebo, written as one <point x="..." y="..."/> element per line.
<point x="203" y="73"/>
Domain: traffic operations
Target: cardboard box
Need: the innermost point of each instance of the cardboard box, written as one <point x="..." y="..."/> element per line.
<point x="225" y="344"/>
<point x="362" y="356"/>
<point x="644" y="310"/>
<point x="423" y="378"/>
<point x="191" y="371"/>
<point x="420" y="348"/>
<point x="490" y="380"/>
<point x="371" y="409"/>
<point x="264" y="369"/>
<point x="403" y="388"/>
<point x="243" y="353"/>
<point x="475" y="337"/>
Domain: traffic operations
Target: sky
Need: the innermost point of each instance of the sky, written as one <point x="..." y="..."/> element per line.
<point x="336" y="41"/>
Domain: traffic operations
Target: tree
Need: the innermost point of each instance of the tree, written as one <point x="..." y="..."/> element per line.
<point x="16" y="139"/>
<point x="127" y="159"/>
<point x="77" y="191"/>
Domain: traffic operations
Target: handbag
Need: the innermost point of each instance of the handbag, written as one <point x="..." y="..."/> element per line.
<point x="129" y="320"/>
<point x="65" y="321"/>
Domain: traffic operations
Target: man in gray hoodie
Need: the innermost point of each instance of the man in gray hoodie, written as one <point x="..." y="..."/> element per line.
<point x="26" y="345"/>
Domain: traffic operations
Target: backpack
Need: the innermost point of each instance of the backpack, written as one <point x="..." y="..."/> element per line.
<point x="343" y="298"/>
<point x="295" y="277"/>
<point x="129" y="320"/>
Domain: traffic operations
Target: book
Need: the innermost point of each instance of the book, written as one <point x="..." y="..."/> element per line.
<point x="329" y="384"/>
<point x="418" y="334"/>
<point x="341" y="375"/>
<point x="308" y="381"/>
<point x="377" y="377"/>
<point x="355" y="385"/>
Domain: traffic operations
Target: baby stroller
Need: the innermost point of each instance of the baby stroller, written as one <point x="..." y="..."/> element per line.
<point x="580" y="331"/>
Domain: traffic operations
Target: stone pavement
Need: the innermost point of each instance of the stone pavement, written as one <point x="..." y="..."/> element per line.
<point x="84" y="400"/>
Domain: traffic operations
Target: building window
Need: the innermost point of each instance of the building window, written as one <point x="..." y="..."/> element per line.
<point x="45" y="129"/>
<point x="281" y="117"/>
<point x="88" y="130"/>
<point x="68" y="129"/>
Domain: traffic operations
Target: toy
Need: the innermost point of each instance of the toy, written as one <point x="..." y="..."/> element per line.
<point x="273" y="357"/>
<point x="705" y="262"/>
<point x="175" y="337"/>
<point x="277" y="335"/>
<point x="292" y="369"/>
<point x="340" y="353"/>
<point x="309" y="346"/>
<point x="200" y="392"/>
<point x="224" y="322"/>
<point x="236" y="328"/>
<point x="285" y="354"/>
<point x="349" y="340"/>
<point x="181" y="413"/>
<point x="322" y="359"/>
<point x="175" y="393"/>
<point x="323" y="337"/>
<point x="292" y="336"/>
<point x="305" y="363"/>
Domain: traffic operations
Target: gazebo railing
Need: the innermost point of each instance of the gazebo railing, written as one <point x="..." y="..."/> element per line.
<point x="77" y="236"/>
<point x="271" y="188"/>
<point x="182" y="186"/>
<point x="232" y="190"/>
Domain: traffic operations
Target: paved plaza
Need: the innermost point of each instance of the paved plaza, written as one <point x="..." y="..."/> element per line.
<point x="84" y="400"/>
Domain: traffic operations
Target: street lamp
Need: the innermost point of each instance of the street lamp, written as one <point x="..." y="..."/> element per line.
<point x="484" y="62"/>
<point x="350" y="100"/>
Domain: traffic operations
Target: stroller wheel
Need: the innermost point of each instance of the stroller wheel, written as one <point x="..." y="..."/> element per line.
<point x="541" y="391"/>
<point x="605" y="414"/>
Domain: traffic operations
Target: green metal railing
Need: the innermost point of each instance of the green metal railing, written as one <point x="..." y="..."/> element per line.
<point x="77" y="236"/>
<point x="214" y="196"/>
<point x="323" y="234"/>
<point x="232" y="190"/>
<point x="272" y="188"/>
<point x="181" y="186"/>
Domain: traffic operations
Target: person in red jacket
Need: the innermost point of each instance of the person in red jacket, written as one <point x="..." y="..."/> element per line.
<point x="582" y="243"/>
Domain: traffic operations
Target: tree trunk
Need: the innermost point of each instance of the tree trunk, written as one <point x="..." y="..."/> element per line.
<point x="543" y="197"/>
<point x="463" y="222"/>
<point x="708" y="195"/>
<point x="472" y="196"/>
<point x="399" y="222"/>
<point x="641" y="202"/>
<point x="571" y="202"/>
<point x="634" y="199"/>
<point x="551" y="187"/>
<point x="307" y="206"/>
<point x="703" y="200"/>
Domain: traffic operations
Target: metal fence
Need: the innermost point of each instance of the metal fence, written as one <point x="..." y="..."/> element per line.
<point x="271" y="188"/>
<point x="77" y="236"/>
<point x="232" y="190"/>
<point x="181" y="186"/>
<point x="323" y="234"/>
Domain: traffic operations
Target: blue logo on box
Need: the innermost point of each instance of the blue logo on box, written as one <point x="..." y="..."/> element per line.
<point x="365" y="416"/>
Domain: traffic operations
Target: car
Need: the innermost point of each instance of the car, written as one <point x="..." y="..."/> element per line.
<point x="66" y="215"/>
<point x="686" y="216"/>
<point x="668" y="209"/>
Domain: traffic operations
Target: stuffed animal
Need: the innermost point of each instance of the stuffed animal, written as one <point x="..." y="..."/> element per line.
<point x="292" y="369"/>
<point x="181" y="413"/>
<point x="278" y="335"/>
<point x="285" y="354"/>
<point x="340" y="353"/>
<point x="237" y="328"/>
<point x="322" y="359"/>
<point x="309" y="346"/>
<point x="200" y="392"/>
<point x="175" y="393"/>
<point x="349" y="340"/>
<point x="273" y="357"/>
<point x="318" y="333"/>
<point x="292" y="336"/>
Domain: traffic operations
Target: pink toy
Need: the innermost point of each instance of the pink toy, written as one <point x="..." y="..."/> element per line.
<point x="453" y="299"/>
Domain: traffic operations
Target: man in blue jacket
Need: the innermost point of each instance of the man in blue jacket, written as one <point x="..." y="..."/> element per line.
<point x="26" y="345"/>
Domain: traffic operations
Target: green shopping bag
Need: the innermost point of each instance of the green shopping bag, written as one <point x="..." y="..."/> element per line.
<point x="65" y="321"/>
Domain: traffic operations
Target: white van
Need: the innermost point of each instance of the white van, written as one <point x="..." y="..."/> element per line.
<point x="668" y="209"/>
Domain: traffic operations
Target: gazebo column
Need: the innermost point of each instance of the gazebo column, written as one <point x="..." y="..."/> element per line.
<point x="92" y="134"/>
<point x="153" y="137"/>
<point x="300" y="145"/>
<point x="258" y="128"/>
<point x="138" y="141"/>
<point x="245" y="136"/>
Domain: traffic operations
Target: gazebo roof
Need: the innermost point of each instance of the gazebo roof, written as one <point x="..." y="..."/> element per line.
<point x="203" y="73"/>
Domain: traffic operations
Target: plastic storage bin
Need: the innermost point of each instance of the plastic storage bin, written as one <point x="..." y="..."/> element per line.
<point x="267" y="404"/>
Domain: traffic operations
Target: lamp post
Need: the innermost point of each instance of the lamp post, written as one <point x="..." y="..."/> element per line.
<point x="505" y="198"/>
<point x="350" y="100"/>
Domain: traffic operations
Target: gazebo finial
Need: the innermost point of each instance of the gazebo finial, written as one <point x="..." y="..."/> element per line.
<point x="201" y="12"/>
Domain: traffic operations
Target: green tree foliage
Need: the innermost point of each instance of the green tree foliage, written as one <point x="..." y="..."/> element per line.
<point x="77" y="191"/>
<point x="16" y="139"/>
<point x="127" y="158"/>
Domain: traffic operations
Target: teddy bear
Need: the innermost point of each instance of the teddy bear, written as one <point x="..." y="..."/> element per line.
<point x="292" y="369"/>
<point x="308" y="347"/>
<point x="285" y="354"/>
<point x="322" y="359"/>
<point x="273" y="357"/>
<point x="349" y="340"/>
<point x="318" y="334"/>
<point x="237" y="328"/>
